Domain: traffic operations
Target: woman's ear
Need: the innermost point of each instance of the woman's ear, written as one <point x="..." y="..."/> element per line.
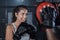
<point x="16" y="14"/>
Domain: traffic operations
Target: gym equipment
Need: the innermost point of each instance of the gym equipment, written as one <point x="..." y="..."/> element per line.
<point x="46" y="14"/>
<point x="22" y="29"/>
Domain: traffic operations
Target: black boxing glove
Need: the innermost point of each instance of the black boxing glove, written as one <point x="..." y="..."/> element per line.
<point x="30" y="30"/>
<point x="23" y="28"/>
<point x="47" y="17"/>
<point x="20" y="31"/>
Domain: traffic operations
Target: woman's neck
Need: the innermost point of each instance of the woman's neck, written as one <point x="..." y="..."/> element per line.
<point x="17" y="23"/>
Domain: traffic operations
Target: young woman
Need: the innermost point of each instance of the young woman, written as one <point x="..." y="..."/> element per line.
<point x="19" y="16"/>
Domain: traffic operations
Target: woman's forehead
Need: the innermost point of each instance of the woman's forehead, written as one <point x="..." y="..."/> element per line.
<point x="25" y="11"/>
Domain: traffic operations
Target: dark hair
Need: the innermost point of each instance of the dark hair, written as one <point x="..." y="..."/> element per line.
<point x="16" y="10"/>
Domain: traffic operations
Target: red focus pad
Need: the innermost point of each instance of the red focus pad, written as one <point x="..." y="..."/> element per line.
<point x="39" y="9"/>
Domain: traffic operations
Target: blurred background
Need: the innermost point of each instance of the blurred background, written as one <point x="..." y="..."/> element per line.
<point x="6" y="8"/>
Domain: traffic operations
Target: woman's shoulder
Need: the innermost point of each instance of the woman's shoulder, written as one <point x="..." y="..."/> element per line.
<point x="9" y="26"/>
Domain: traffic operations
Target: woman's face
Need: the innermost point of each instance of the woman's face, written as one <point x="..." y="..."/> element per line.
<point x="22" y="15"/>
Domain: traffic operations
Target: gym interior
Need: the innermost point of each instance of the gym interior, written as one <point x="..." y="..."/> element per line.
<point x="36" y="10"/>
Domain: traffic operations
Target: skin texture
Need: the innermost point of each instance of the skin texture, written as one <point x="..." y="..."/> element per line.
<point x="50" y="34"/>
<point x="21" y="17"/>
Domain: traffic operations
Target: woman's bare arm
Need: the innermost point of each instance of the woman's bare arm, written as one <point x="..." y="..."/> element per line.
<point x="9" y="33"/>
<point x="32" y="39"/>
<point x="50" y="34"/>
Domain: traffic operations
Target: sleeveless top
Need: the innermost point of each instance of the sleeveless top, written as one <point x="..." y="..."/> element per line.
<point x="26" y="36"/>
<point x="15" y="29"/>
